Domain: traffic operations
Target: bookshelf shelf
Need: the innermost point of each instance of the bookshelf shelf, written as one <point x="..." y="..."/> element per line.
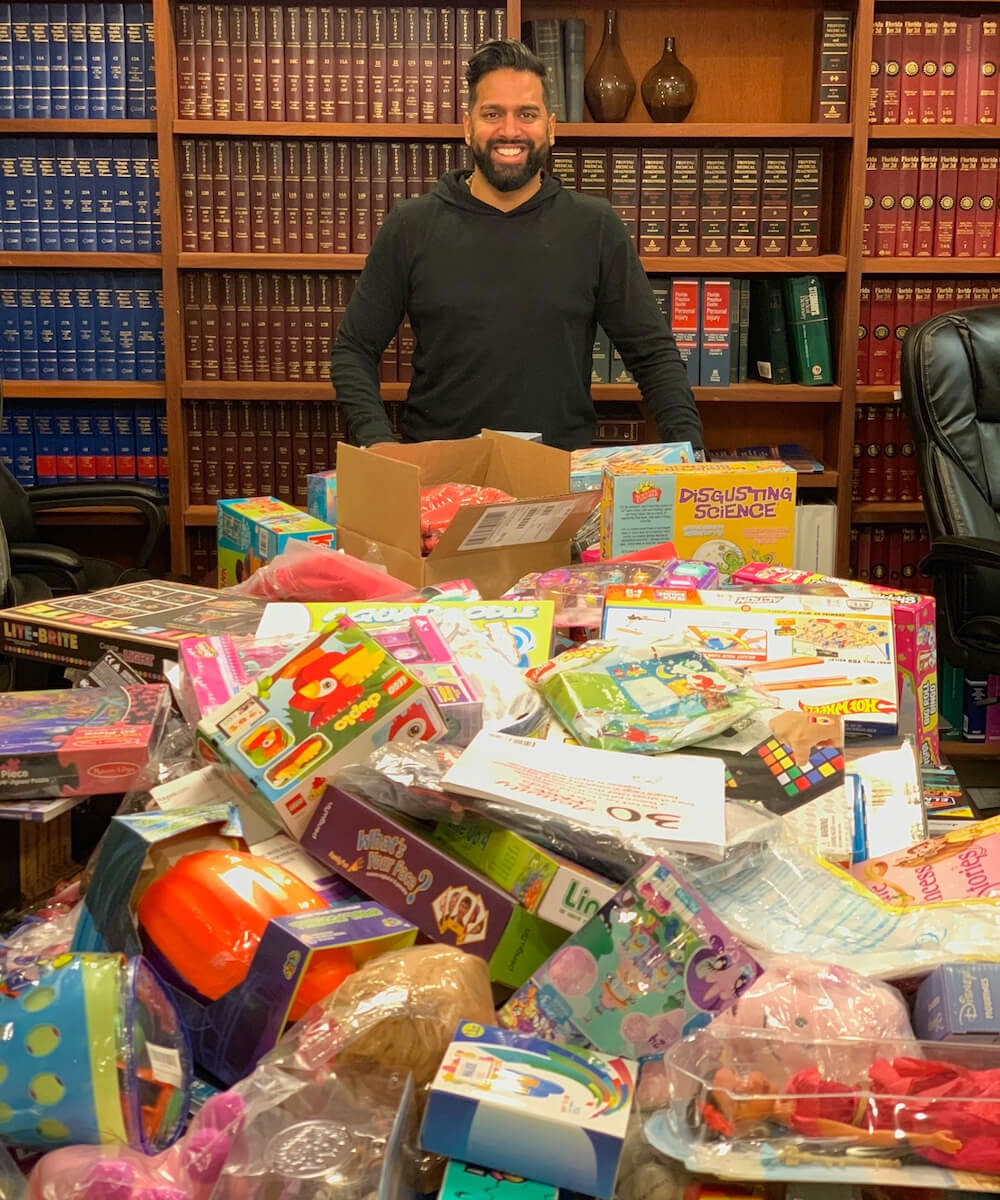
<point x="878" y="393"/>
<point x="225" y="390"/>
<point x="271" y="262"/>
<point x="99" y="260"/>
<point x="956" y="749"/>
<point x="820" y="479"/>
<point x="769" y="393"/>
<point x="81" y="389"/>
<point x="47" y="126"/>
<point x="692" y="131"/>
<point x="820" y="264"/>
<point x="930" y="266"/>
<point x="199" y="514"/>
<point x="933" y="133"/>
<point x="887" y="511"/>
<point x="318" y="129"/>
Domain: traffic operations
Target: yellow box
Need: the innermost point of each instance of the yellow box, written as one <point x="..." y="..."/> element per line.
<point x="723" y="513"/>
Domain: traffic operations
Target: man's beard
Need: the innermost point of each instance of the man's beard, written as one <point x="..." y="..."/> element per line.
<point x="509" y="178"/>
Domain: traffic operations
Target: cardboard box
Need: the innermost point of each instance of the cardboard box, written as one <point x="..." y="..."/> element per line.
<point x="321" y="497"/>
<point x="587" y="466"/>
<point x="389" y="860"/>
<point x="252" y="531"/>
<point x="723" y="513"/>
<point x="230" y="1034"/>
<point x="558" y="891"/>
<point x="327" y="704"/>
<point x="915" y="637"/>
<point x="959" y="1002"/>
<point x="521" y="1105"/>
<point x="378" y="507"/>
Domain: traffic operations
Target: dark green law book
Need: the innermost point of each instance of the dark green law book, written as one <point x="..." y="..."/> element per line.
<point x="768" y="337"/>
<point x="808" y="330"/>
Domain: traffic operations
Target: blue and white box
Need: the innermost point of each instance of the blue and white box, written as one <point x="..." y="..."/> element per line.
<point x="959" y="1002"/>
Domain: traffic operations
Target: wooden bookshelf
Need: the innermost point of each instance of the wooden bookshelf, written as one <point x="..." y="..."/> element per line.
<point x="82" y="389"/>
<point x="885" y="512"/>
<point x="878" y="393"/>
<point x="99" y="260"/>
<point x="932" y="133"/>
<point x="957" y="749"/>
<point x="931" y="266"/>
<point x="47" y="127"/>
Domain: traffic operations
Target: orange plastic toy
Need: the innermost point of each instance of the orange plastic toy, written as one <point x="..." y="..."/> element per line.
<point x="204" y="917"/>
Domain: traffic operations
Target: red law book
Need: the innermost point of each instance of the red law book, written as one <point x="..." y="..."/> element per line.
<point x="890" y="452"/>
<point x="864" y="567"/>
<point x="429" y="158"/>
<point x="222" y="203"/>
<point x="464" y="46"/>
<point x="989" y="64"/>
<point x="284" y="488"/>
<point x="194" y="446"/>
<point x="963" y="292"/>
<point x="264" y="420"/>
<point x="870" y="476"/>
<point x="246" y="448"/>
<point x="893" y="69"/>
<point x="261" y="327"/>
<point x="257" y="62"/>
<point x="227" y="327"/>
<point x="930" y="70"/>
<point x="967" y="99"/>
<point x="858" y="450"/>
<point x="191" y="310"/>
<point x="301" y="446"/>
<point x="869" y="211"/>
<point x="380" y="184"/>
<point x="986" y="202"/>
<point x="293" y="196"/>
<point x="446" y="55"/>
<point x="428" y="65"/>
<point x="414" y="171"/>
<point x="209" y="300"/>
<point x="887" y="203"/>
<point x="229" y="450"/>
<point x="239" y="93"/>
<point x="397" y="173"/>
<point x="948" y="71"/>
<point x="394" y="90"/>
<point x="292" y="289"/>
<point x="325" y="191"/>
<point x="880" y="353"/>
<point x="966" y="201"/>
<point x="203" y="61"/>
<point x="310" y="63"/>
<point x="876" y="89"/>
<point x="276" y="325"/>
<point x="204" y="194"/>
<point x="184" y="24"/>
<point x="258" y="196"/>
<point x="853" y="552"/>
<point x="324" y="322"/>
<point x="909" y="483"/>
<point x="342" y="197"/>
<point x="239" y="167"/>
<point x="275" y="197"/>
<point x="909" y="557"/>
<point x="275" y="35"/>
<point x="923" y="234"/>
<point x="923" y="300"/>
<point x="188" y="186"/>
<point x="359" y="64"/>
<point x="980" y="293"/>
<point x="909" y="169"/>
<point x="895" y="557"/>
<point x="361" y="197"/>
<point x="943" y="299"/>
<point x="293" y="63"/>
<point x="310" y="197"/>
<point x="310" y="365"/>
<point x="903" y="319"/>
<point x="411" y="64"/>
<point x="864" y="331"/>
<point x="343" y="77"/>
<point x="244" y="326"/>
<point x="326" y="88"/>
<point x="319" y="436"/>
<point x="377" y="65"/>
<point x="947" y="189"/>
<point x="912" y="69"/>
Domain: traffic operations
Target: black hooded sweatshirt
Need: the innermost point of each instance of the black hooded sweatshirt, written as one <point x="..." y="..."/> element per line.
<point x="504" y="307"/>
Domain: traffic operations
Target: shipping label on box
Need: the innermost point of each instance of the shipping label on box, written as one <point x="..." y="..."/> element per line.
<point x="325" y="705"/>
<point x="251" y="532"/>
<point x="727" y="514"/>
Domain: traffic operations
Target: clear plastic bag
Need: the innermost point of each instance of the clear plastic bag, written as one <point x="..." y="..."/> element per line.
<point x="406" y="779"/>
<point x="305" y="572"/>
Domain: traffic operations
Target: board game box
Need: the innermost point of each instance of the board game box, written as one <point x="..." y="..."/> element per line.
<point x="78" y="742"/>
<point x="144" y="623"/>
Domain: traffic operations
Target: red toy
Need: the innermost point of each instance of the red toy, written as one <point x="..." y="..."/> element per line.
<point x="202" y="919"/>
<point x="326" y="683"/>
<point x="439" y="504"/>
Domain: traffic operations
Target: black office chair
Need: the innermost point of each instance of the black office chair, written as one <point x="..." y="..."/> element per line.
<point x="950" y="375"/>
<point x="61" y="569"/>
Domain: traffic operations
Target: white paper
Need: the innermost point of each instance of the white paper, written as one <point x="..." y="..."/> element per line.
<point x="670" y="798"/>
<point x="165" y="1064"/>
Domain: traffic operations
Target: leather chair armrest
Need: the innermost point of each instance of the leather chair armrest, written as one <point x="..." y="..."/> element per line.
<point x="962" y="551"/>
<point x="28" y="555"/>
<point x="148" y="503"/>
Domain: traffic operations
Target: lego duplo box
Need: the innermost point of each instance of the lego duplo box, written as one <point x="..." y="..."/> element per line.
<point x="557" y="890"/>
<point x="727" y="514"/>
<point x="327" y="704"/>
<point x="556" y="1114"/>
<point x="449" y="902"/>
<point x="959" y="1002"/>
<point x="378" y="504"/>
<point x="321" y="496"/>
<point x="229" y="1034"/>
<point x="252" y="531"/>
<point x="587" y="466"/>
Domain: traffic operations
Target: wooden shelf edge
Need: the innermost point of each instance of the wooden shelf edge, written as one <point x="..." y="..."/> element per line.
<point x="82" y="389"/>
<point x="199" y="515"/>
<point x="878" y="393"/>
<point x="930" y="266"/>
<point x="956" y="749"/>
<point x="315" y="129"/>
<point x="46" y="126"/>
<point x="888" y="512"/>
<point x="819" y="479"/>
<point x="936" y="133"/>
<point x="769" y="393"/>
<point x="100" y="260"/>
<point x="270" y="262"/>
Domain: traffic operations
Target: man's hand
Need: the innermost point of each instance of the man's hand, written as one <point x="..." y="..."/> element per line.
<point x="803" y="732"/>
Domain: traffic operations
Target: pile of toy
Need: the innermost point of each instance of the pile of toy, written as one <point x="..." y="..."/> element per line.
<point x="603" y="870"/>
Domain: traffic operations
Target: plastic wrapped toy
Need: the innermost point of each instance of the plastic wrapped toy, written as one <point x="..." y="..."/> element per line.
<point x="93" y="1051"/>
<point x="304" y="572"/>
<point x="438" y="505"/>
<point x="645" y="697"/>
<point x="187" y="1171"/>
<point x="579" y="591"/>
<point x="201" y="922"/>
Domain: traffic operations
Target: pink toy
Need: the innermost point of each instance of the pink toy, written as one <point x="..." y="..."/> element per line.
<point x="187" y="1171"/>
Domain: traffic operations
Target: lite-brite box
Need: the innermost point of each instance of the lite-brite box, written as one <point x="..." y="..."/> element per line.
<point x="78" y="742"/>
<point x="251" y="532"/>
<point x="520" y="629"/>
<point x="418" y="644"/>
<point x="963" y="864"/>
<point x="587" y="466"/>
<point x="653" y="965"/>
<point x="915" y="639"/>
<point x="387" y="859"/>
<point x="819" y="654"/>
<point x="325" y="705"/>
<point x="321" y="497"/>
<point x="229" y="1034"/>
<point x="727" y="514"/>
<point x="959" y="1002"/>
<point x="557" y="890"/>
<point x="214" y="669"/>
<point x="556" y="1114"/>
<point x="464" y="1181"/>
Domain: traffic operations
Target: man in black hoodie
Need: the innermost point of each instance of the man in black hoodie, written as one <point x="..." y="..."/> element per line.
<point x="504" y="275"/>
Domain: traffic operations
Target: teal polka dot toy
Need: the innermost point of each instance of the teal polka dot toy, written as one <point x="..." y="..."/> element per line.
<point x="92" y="1050"/>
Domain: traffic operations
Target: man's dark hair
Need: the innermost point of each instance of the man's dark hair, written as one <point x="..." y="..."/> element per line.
<point x="494" y="56"/>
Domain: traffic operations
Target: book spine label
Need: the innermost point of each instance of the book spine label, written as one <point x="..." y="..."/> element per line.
<point x="909" y="178"/>
<point x="685" y="310"/>
<point x="930" y="71"/>
<point x="293" y="63"/>
<point x="653" y="201"/>
<point x="343" y="78"/>
<point x="326" y="68"/>
<point x="361" y="183"/>
<point x="446" y="56"/>
<point x="257" y="90"/>
<point x="967" y="94"/>
<point x="221" y="63"/>
<point x="887" y="203"/>
<point x="293" y="196"/>
<point x="275" y="44"/>
<point x="307" y="328"/>
<point x="989" y="59"/>
<point x="923" y="233"/>
<point x="428" y="65"/>
<point x="985" y="222"/>
<point x="880" y="352"/>
<point x="239" y="82"/>
<point x="310" y="63"/>
<point x="807" y="184"/>
<point x="713" y="231"/>
<point x="377" y="65"/>
<point x="902" y="320"/>
<point x="625" y="189"/>
<point x="744" y="222"/>
<point x="325" y="198"/>
<point x="239" y="166"/>
<point x="227" y="326"/>
<point x="775" y="202"/>
<point x="246" y="449"/>
<point x="359" y="64"/>
<point x="212" y="440"/>
<point x="310" y="198"/>
<point x="204" y="107"/>
<point x="832" y="98"/>
<point x="715" y="332"/>
<point x="912" y="69"/>
<point x="864" y="336"/>
<point x="948" y="71"/>
<point x="685" y="170"/>
<point x="966" y="198"/>
<point x="411" y="64"/>
<point x="876" y="90"/>
<point x="275" y="197"/>
<point x="188" y="189"/>
<point x="261" y="326"/>
<point x="893" y="70"/>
